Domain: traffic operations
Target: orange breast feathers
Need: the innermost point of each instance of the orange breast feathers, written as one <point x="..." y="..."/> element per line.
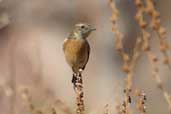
<point x="76" y="53"/>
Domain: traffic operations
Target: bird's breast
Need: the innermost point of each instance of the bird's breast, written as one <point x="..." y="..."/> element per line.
<point x="75" y="51"/>
<point x="73" y="46"/>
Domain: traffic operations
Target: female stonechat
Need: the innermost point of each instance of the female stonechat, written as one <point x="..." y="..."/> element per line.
<point x="76" y="48"/>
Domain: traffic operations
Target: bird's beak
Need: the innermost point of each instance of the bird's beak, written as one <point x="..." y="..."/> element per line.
<point x="92" y="28"/>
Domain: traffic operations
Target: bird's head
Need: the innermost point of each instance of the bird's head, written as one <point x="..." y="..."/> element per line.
<point x="82" y="30"/>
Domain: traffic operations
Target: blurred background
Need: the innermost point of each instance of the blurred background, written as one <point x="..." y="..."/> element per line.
<point x="31" y="37"/>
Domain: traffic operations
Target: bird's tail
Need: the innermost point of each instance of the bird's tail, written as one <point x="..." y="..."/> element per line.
<point x="74" y="80"/>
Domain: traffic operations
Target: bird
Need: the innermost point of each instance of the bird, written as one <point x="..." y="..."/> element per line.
<point x="77" y="49"/>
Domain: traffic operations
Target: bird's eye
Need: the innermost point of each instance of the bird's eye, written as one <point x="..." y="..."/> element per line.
<point x="82" y="26"/>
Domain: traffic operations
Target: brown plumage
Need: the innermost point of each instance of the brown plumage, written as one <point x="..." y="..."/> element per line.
<point x="76" y="48"/>
<point x="76" y="53"/>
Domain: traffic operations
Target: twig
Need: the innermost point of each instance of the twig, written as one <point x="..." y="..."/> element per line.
<point x="146" y="37"/>
<point x="79" y="95"/>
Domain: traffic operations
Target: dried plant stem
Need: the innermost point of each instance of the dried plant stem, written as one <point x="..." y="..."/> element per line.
<point x="130" y="74"/>
<point x="25" y="95"/>
<point x="63" y="106"/>
<point x="119" y="36"/>
<point x="157" y="27"/>
<point x="146" y="37"/>
<point x="12" y="80"/>
<point x="106" y="109"/>
<point x="79" y="95"/>
<point x="132" y="64"/>
<point x="140" y="103"/>
<point x="124" y="109"/>
<point x="155" y="74"/>
<point x="129" y="64"/>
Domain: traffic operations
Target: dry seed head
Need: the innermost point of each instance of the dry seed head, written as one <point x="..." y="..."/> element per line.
<point x="126" y="68"/>
<point x="53" y="111"/>
<point x="166" y="61"/>
<point x="38" y="112"/>
<point x="138" y="3"/>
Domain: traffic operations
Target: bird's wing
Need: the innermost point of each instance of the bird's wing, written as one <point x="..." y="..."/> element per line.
<point x="88" y="53"/>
